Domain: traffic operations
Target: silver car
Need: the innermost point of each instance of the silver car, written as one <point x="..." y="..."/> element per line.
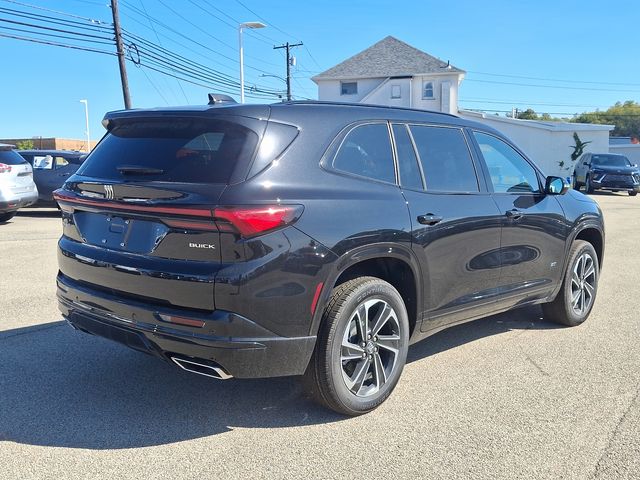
<point x="17" y="189"/>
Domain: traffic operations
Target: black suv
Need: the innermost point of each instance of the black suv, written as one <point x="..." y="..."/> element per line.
<point x="313" y="238"/>
<point x="606" y="171"/>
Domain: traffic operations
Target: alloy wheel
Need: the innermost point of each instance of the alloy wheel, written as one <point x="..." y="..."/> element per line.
<point x="583" y="284"/>
<point x="370" y="347"/>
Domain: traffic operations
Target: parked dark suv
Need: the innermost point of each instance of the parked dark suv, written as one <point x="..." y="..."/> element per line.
<point x="51" y="168"/>
<point x="313" y="238"/>
<point x="606" y="171"/>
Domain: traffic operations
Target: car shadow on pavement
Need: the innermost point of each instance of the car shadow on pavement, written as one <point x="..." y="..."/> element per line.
<point x="63" y="388"/>
<point x="52" y="212"/>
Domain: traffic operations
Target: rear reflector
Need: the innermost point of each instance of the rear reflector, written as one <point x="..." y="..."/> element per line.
<point x="189" y="322"/>
<point x="255" y="220"/>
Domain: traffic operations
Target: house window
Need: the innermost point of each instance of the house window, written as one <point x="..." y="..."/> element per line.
<point x="395" y="91"/>
<point x="348" y="88"/>
<point x="427" y="90"/>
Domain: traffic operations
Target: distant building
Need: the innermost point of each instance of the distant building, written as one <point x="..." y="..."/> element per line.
<point x="396" y="74"/>
<point x="48" y="143"/>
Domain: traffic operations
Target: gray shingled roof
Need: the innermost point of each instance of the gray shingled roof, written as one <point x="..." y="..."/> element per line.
<point x="389" y="57"/>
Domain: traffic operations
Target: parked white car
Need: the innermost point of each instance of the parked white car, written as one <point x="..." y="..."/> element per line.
<point x="17" y="188"/>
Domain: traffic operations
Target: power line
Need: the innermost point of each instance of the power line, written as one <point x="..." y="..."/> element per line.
<point x="37" y="7"/>
<point x="554" y="79"/>
<point x="57" y="44"/>
<point x="562" y="87"/>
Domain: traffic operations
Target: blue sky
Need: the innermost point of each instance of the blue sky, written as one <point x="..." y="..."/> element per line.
<point x="561" y="56"/>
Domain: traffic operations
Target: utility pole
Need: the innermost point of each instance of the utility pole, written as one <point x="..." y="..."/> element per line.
<point x="120" y="51"/>
<point x="288" y="46"/>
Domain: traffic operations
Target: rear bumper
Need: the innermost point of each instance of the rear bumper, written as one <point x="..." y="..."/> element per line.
<point x="12" y="202"/>
<point x="238" y="346"/>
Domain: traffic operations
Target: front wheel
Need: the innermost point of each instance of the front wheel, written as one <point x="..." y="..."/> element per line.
<point x="574" y="183"/>
<point x="588" y="186"/>
<point x="362" y="346"/>
<point x="5" y="217"/>
<point x="577" y="295"/>
<point x="633" y="193"/>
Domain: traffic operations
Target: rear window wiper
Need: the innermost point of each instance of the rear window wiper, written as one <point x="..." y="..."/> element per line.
<point x="138" y="170"/>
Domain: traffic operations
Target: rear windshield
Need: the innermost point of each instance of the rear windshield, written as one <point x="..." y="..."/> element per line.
<point x="9" y="157"/>
<point x="610" y="160"/>
<point x="177" y="150"/>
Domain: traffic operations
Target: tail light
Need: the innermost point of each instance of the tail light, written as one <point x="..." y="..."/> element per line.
<point x="255" y="220"/>
<point x="5" y="168"/>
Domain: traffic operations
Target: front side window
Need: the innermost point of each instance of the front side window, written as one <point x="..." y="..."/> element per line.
<point x="445" y="158"/>
<point x="348" y="88"/>
<point x="366" y="151"/>
<point x="509" y="171"/>
<point x="427" y="90"/>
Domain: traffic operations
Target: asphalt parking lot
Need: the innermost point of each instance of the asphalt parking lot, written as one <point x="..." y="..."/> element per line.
<point x="510" y="396"/>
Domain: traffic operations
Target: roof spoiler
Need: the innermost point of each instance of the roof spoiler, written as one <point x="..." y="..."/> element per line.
<point x="217" y="99"/>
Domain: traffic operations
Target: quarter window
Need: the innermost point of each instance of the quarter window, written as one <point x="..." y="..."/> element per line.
<point x="446" y="161"/>
<point x="366" y="151"/>
<point x="348" y="88"/>
<point x="509" y="171"/>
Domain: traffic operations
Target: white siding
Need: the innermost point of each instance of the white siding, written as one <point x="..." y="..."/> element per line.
<point x="631" y="151"/>
<point x="329" y="90"/>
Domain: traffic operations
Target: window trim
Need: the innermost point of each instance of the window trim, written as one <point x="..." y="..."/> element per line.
<point x="328" y="159"/>
<point x="396" y="160"/>
<point x="433" y="90"/>
<point x="485" y="169"/>
<point x="345" y="83"/>
<point x="476" y="168"/>
<point x="399" y="88"/>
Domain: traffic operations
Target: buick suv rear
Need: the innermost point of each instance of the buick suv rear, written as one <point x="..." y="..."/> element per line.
<point x="308" y="238"/>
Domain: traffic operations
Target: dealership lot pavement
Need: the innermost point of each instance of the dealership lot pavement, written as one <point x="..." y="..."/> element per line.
<point x="511" y="396"/>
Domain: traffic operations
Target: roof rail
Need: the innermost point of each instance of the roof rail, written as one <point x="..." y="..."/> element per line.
<point x="218" y="98"/>
<point x="365" y="105"/>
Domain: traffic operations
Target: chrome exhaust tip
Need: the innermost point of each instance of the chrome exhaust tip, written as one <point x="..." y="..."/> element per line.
<point x="201" y="368"/>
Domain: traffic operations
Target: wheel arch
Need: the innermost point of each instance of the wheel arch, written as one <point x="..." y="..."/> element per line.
<point x="392" y="263"/>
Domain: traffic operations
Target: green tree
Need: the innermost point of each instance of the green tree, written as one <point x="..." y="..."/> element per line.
<point x="25" y="145"/>
<point x="624" y="116"/>
<point x="528" y="114"/>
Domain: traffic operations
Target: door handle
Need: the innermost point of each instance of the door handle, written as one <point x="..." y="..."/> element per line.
<point x="514" y="214"/>
<point x="429" y="219"/>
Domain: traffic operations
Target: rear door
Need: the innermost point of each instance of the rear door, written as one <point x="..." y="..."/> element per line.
<point x="534" y="228"/>
<point x="455" y="222"/>
<point x="138" y="215"/>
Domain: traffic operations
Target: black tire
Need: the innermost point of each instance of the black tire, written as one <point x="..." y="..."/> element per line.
<point x="574" y="183"/>
<point x="5" y="217"/>
<point x="328" y="373"/>
<point x="563" y="309"/>
<point x="588" y="186"/>
<point x="632" y="193"/>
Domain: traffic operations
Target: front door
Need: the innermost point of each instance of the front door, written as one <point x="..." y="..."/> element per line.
<point x="534" y="232"/>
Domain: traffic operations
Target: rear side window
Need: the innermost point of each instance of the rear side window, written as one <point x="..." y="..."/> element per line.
<point x="410" y="176"/>
<point x="446" y="161"/>
<point x="9" y="157"/>
<point x="176" y="150"/>
<point x="509" y="171"/>
<point x="366" y="151"/>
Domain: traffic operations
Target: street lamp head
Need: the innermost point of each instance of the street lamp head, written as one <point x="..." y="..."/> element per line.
<point x="83" y="101"/>
<point x="252" y="25"/>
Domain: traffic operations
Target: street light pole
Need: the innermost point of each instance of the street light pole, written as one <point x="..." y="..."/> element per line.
<point x="241" y="51"/>
<point x="86" y="118"/>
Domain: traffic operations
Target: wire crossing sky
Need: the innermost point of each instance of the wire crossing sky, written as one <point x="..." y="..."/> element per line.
<point x="561" y="58"/>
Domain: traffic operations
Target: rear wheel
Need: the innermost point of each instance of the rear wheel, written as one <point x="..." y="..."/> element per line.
<point x="5" y="217"/>
<point x="362" y="346"/>
<point x="577" y="295"/>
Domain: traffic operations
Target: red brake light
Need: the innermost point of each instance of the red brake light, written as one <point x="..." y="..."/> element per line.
<point x="4" y="168"/>
<point x="255" y="220"/>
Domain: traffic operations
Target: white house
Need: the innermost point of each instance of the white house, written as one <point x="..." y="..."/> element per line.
<point x="391" y="72"/>
<point x="394" y="73"/>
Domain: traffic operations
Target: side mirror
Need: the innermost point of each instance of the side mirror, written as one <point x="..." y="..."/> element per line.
<point x="555" y="186"/>
<point x="586" y="163"/>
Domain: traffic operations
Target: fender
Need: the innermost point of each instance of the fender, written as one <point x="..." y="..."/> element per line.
<point x="360" y="254"/>
<point x="584" y="222"/>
